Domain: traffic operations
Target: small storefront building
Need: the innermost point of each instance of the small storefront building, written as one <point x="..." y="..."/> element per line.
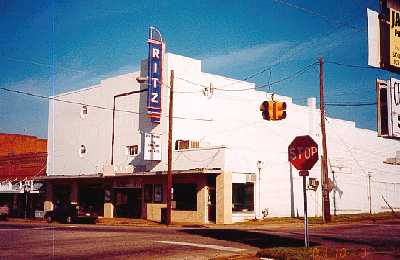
<point x="228" y="164"/>
<point x="198" y="196"/>
<point x="22" y="160"/>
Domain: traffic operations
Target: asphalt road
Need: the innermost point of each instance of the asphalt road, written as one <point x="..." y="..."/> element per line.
<point x="57" y="241"/>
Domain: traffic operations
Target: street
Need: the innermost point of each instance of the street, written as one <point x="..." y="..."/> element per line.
<point x="57" y="241"/>
<point x="110" y="242"/>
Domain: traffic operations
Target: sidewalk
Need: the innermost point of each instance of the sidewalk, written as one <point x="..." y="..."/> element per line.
<point x="270" y="223"/>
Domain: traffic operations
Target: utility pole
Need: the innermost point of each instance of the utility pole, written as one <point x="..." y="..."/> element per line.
<point x="259" y="166"/>
<point x="169" y="175"/>
<point x="325" y="192"/>
<point x="369" y="193"/>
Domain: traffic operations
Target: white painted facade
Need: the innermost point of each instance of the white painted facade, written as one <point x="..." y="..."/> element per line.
<point x="232" y="134"/>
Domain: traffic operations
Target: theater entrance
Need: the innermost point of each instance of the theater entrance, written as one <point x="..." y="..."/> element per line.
<point x="128" y="202"/>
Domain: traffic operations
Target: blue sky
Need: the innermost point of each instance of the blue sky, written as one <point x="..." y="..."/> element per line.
<point x="48" y="47"/>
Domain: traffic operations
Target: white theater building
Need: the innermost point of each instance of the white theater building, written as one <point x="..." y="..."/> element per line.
<point x="116" y="161"/>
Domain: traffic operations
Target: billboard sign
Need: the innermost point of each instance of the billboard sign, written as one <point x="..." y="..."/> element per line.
<point x="152" y="147"/>
<point x="154" y="76"/>
<point x="395" y="105"/>
<point x="394" y="36"/>
<point x="384" y="36"/>
<point x="388" y="107"/>
<point x="374" y="41"/>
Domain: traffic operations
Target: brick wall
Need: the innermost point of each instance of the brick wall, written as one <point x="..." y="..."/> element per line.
<point x="22" y="156"/>
<point x="13" y="144"/>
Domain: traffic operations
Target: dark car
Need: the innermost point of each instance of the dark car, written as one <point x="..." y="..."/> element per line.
<point x="71" y="214"/>
<point x="4" y="211"/>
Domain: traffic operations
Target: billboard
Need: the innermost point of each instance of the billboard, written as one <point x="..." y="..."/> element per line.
<point x="394" y="38"/>
<point x="374" y="54"/>
<point x="395" y="106"/>
<point x="384" y="37"/>
<point x="154" y="75"/>
<point x="388" y="107"/>
<point x="152" y="147"/>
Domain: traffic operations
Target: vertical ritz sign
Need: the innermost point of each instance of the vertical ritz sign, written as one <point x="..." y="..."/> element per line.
<point x="154" y="80"/>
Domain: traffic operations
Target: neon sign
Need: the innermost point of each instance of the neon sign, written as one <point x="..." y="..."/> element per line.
<point x="154" y="79"/>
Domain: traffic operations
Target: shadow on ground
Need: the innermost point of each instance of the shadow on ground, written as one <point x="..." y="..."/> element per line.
<point x="251" y="238"/>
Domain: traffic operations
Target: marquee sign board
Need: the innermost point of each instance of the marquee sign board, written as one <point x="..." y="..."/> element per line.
<point x="152" y="147"/>
<point x="154" y="76"/>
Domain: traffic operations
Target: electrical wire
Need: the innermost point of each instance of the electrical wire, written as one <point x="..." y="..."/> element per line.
<point x="350" y="104"/>
<point x="316" y="14"/>
<point x="94" y="106"/>
<point x="296" y="74"/>
<point x="351" y="65"/>
<point x="349" y="150"/>
<point x="41" y="64"/>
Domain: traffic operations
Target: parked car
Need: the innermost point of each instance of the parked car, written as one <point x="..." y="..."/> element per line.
<point x="4" y="211"/>
<point x="72" y="213"/>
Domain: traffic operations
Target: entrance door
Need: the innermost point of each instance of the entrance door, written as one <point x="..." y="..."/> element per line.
<point x="128" y="203"/>
<point x="211" y="204"/>
<point x="136" y="203"/>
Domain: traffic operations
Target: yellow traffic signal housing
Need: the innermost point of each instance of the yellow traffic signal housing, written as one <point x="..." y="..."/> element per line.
<point x="279" y="110"/>
<point x="267" y="108"/>
<point x="273" y="110"/>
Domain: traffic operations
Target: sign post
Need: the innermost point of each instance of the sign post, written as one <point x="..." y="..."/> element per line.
<point x="303" y="154"/>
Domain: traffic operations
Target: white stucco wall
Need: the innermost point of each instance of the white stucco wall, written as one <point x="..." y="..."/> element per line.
<point x="226" y="118"/>
<point x="237" y="124"/>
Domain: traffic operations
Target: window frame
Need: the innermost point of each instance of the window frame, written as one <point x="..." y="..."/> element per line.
<point x="84" y="111"/>
<point x="132" y="148"/>
<point x="82" y="153"/>
<point x="184" y="188"/>
<point x="244" y="200"/>
<point x="158" y="193"/>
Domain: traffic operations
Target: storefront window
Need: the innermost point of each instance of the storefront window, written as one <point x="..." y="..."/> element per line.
<point x="153" y="193"/>
<point x="158" y="193"/>
<point x="185" y="196"/>
<point x="148" y="193"/>
<point x="242" y="197"/>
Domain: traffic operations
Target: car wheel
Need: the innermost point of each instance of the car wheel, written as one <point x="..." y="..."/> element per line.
<point x="69" y="220"/>
<point x="49" y="219"/>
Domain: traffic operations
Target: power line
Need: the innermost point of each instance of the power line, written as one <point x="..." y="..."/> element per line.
<point x="350" y="104"/>
<point x="90" y="105"/>
<point x="41" y="64"/>
<point x="296" y="74"/>
<point x="316" y="14"/>
<point x="351" y="65"/>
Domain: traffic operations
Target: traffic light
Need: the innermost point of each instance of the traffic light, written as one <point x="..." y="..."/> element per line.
<point x="267" y="110"/>
<point x="279" y="110"/>
<point x="273" y="110"/>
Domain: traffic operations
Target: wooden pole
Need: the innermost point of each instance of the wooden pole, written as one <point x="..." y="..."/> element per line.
<point x="169" y="175"/>
<point x="325" y="192"/>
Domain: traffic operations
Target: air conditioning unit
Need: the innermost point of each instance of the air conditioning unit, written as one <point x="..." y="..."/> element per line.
<point x="186" y="144"/>
<point x="194" y="144"/>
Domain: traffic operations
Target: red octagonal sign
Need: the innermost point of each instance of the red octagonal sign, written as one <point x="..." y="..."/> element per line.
<point x="303" y="152"/>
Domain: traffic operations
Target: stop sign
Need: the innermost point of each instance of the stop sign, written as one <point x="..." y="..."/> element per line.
<point x="303" y="152"/>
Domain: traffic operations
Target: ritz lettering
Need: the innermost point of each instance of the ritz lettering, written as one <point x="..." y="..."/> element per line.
<point x="155" y="57"/>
